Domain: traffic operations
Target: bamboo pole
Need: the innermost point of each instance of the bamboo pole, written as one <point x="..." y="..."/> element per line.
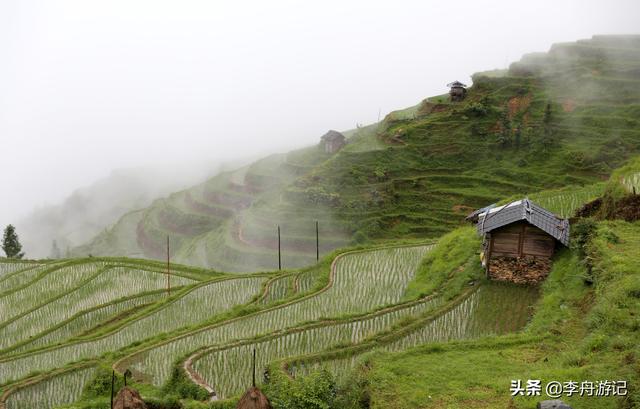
<point x="168" y="270"/>
<point x="254" y="368"/>
<point x="279" y="251"/>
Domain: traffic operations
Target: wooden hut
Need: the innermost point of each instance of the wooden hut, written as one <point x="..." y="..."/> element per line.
<point x="457" y="92"/>
<point x="253" y="398"/>
<point x="332" y="141"/>
<point x="519" y="240"/>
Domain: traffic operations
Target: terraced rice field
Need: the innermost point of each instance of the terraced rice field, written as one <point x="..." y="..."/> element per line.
<point x="279" y="288"/>
<point x="8" y="267"/>
<point x="565" y="203"/>
<point x="492" y="309"/>
<point x="56" y="390"/>
<point x="226" y="370"/>
<point x="632" y="182"/>
<point x="362" y="282"/>
<point x="54" y="283"/>
<point x="366" y="285"/>
<point x="83" y="322"/>
<point x="110" y="284"/>
<point x="17" y="277"/>
<point x="202" y="303"/>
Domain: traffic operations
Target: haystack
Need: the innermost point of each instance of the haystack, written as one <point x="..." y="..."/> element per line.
<point x="128" y="398"/>
<point x="253" y="399"/>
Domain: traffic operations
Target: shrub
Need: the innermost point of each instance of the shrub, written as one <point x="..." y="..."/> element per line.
<point x="476" y="109"/>
<point x="179" y="384"/>
<point x="168" y="402"/>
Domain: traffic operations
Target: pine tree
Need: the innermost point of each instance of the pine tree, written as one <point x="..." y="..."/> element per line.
<point x="10" y="243"/>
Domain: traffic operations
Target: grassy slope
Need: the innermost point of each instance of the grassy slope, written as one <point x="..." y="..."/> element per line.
<point x="416" y="173"/>
<point x="453" y="256"/>
<point x="589" y="333"/>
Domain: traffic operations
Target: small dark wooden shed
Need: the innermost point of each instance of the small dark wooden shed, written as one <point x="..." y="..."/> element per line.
<point x="458" y="91"/>
<point x="519" y="240"/>
<point x="332" y="141"/>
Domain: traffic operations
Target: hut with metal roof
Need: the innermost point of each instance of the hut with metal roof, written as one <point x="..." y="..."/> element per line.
<point x="332" y="141"/>
<point x="457" y="92"/>
<point x="520" y="239"/>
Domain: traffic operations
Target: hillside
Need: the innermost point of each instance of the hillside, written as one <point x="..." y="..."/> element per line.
<point x="88" y="210"/>
<point x="415" y="323"/>
<point x="565" y="117"/>
<point x="404" y="318"/>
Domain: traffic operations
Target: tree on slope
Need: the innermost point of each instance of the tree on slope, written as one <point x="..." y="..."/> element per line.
<point x="10" y="243"/>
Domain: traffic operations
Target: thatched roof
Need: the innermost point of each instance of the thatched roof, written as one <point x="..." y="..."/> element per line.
<point x="128" y="398"/>
<point x="253" y="399"/>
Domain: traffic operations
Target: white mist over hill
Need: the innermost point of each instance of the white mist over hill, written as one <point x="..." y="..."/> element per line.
<point x="88" y="87"/>
<point x="90" y="209"/>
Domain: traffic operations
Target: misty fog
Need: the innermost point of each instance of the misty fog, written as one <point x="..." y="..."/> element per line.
<point x="184" y="87"/>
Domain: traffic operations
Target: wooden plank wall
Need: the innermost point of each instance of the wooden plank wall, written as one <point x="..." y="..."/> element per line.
<point x="519" y="240"/>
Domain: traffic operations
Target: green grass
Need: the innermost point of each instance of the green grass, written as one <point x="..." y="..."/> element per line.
<point x="455" y="254"/>
<point x="588" y="334"/>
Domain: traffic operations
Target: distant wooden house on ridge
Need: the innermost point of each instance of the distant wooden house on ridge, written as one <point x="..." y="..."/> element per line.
<point x="519" y="240"/>
<point x="332" y="141"/>
<point x="457" y="92"/>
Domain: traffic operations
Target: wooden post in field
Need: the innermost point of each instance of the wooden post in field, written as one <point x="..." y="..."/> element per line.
<point x="254" y="367"/>
<point x="317" y="243"/>
<point x="168" y="270"/>
<point x="279" y="251"/>
<point x="127" y="374"/>
<point x="113" y="381"/>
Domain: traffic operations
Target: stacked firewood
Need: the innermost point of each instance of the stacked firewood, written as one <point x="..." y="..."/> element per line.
<point x="522" y="270"/>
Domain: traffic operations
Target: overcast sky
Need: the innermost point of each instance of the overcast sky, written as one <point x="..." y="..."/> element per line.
<point x="89" y="86"/>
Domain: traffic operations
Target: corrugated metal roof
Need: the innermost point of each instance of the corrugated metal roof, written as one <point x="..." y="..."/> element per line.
<point x="524" y="210"/>
<point x="474" y="215"/>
